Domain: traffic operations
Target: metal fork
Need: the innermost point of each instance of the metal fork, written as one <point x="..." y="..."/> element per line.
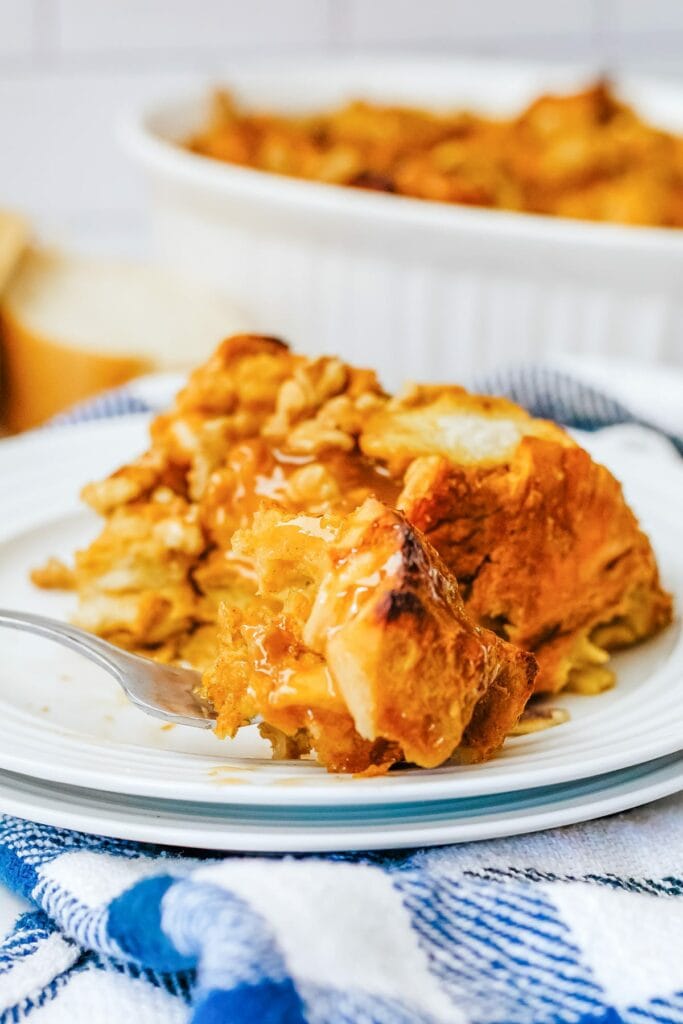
<point x="161" y="690"/>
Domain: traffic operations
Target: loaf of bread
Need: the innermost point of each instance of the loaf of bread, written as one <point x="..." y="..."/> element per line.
<point x="71" y="326"/>
<point x="13" y="240"/>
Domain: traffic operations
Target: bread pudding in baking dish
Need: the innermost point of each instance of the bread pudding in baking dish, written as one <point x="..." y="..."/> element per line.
<point x="585" y="155"/>
<point x="378" y="578"/>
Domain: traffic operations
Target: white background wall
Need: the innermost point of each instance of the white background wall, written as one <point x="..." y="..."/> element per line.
<point x="68" y="66"/>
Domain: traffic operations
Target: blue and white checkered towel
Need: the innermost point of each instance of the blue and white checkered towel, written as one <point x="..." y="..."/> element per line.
<point x="582" y="925"/>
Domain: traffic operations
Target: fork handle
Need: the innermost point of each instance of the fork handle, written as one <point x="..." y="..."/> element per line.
<point x="64" y="633"/>
<point x="160" y="690"/>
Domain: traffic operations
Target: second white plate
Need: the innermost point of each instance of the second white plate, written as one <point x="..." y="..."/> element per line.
<point x="325" y="829"/>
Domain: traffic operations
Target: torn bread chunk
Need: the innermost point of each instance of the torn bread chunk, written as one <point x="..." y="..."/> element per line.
<point x="359" y="646"/>
<point x="545" y="549"/>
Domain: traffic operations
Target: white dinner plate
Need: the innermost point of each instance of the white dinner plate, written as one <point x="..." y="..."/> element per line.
<point x="63" y="720"/>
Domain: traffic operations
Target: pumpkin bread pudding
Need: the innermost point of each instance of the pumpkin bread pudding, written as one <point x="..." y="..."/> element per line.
<point x="378" y="578"/>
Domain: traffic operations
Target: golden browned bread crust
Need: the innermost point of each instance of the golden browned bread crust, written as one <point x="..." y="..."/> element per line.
<point x="547" y="552"/>
<point x="359" y="642"/>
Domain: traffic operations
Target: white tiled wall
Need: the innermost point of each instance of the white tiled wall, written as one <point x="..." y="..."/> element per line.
<point x="140" y="27"/>
<point x="463" y="22"/>
<point x="68" y="66"/>
<point x="16" y="27"/>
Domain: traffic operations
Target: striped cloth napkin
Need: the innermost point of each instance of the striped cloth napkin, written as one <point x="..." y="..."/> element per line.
<point x="582" y="925"/>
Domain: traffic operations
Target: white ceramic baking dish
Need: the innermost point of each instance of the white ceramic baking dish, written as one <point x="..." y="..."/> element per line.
<point x="416" y="288"/>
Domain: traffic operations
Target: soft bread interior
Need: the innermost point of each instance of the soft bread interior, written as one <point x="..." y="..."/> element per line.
<point x="467" y="429"/>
